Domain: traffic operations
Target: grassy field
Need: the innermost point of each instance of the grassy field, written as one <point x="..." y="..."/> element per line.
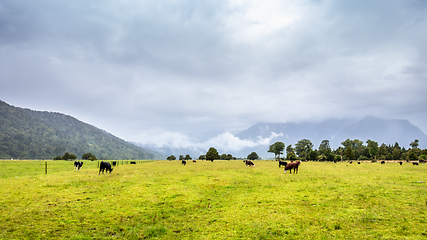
<point x="219" y="200"/>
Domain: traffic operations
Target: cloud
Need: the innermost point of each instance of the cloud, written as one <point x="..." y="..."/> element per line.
<point x="196" y="69"/>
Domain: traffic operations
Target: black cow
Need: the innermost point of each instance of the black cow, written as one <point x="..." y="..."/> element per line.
<point x="382" y="162"/>
<point x="105" y="166"/>
<point x="282" y="164"/>
<point x="400" y="162"/>
<point x="133" y="162"/>
<point x="415" y="163"/>
<point x="77" y="165"/>
<point x="114" y="163"/>
<point x="184" y="162"/>
<point x="249" y="163"/>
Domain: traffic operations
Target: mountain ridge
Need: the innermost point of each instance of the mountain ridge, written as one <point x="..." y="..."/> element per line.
<point x="29" y="134"/>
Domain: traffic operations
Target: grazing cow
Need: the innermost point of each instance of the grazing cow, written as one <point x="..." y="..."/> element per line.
<point x="184" y="162"/>
<point x="249" y="163"/>
<point x="358" y="162"/>
<point x="105" y="166"/>
<point x="415" y="163"/>
<point x="423" y="161"/>
<point x="292" y="165"/>
<point x="133" y="162"/>
<point x="114" y="163"/>
<point x="77" y="165"/>
<point x="400" y="162"/>
<point x="282" y="163"/>
<point x="382" y="162"/>
<point x="194" y="161"/>
<point x="351" y="162"/>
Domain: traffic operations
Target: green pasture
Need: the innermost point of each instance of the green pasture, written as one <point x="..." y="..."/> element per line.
<point x="212" y="200"/>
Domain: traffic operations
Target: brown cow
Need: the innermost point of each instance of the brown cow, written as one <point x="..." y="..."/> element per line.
<point x="249" y="163"/>
<point x="292" y="165"/>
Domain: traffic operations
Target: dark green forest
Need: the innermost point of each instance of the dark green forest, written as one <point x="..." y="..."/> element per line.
<point x="28" y="134"/>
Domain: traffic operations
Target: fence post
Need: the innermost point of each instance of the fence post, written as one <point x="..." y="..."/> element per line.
<point x="45" y="167"/>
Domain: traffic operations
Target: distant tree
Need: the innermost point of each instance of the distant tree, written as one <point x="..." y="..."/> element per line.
<point x="72" y="156"/>
<point x="66" y="156"/>
<point x="171" y="157"/>
<point x="291" y="156"/>
<point x="303" y="147"/>
<point x="181" y="157"/>
<point x="202" y="157"/>
<point x="57" y="158"/>
<point x="290" y="149"/>
<point x="373" y="148"/>
<point x="212" y="154"/>
<point x="253" y="156"/>
<point x="187" y="157"/>
<point x="382" y="152"/>
<point x="229" y="157"/>
<point x="324" y="147"/>
<point x="312" y="155"/>
<point x="396" y="154"/>
<point x="414" y="144"/>
<point x="277" y="148"/>
<point x="89" y="156"/>
<point x="348" y="153"/>
<point x="223" y="156"/>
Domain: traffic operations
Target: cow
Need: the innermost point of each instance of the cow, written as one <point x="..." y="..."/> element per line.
<point x="105" y="166"/>
<point x="77" y="165"/>
<point x="382" y="162"/>
<point x="183" y="162"/>
<point x="249" y="163"/>
<point x="400" y="162"/>
<point x="423" y="161"/>
<point x="132" y="162"/>
<point x="114" y="163"/>
<point x="194" y="161"/>
<point x="282" y="163"/>
<point x="415" y="163"/>
<point x="292" y="165"/>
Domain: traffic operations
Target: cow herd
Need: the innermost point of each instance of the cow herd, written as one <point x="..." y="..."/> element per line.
<point x="106" y="166"/>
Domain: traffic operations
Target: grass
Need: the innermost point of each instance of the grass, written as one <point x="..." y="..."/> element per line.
<point x="219" y="200"/>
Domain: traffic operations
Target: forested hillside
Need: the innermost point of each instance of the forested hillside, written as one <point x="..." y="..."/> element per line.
<point x="28" y="134"/>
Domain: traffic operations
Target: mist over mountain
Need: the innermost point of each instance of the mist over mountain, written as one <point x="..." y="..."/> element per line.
<point x="28" y="134"/>
<point x="258" y="137"/>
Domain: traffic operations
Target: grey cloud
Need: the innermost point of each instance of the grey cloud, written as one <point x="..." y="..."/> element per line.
<point x="197" y="68"/>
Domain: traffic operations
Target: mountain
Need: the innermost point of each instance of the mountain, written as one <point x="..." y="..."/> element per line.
<point x="28" y="134"/>
<point x="338" y="130"/>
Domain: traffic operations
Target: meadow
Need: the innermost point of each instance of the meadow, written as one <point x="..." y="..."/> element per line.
<point x="212" y="200"/>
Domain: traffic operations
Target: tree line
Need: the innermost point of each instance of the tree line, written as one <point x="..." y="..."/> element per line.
<point x="212" y="154"/>
<point x="350" y="150"/>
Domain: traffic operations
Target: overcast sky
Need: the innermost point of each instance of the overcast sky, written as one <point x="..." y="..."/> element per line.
<point x="177" y="72"/>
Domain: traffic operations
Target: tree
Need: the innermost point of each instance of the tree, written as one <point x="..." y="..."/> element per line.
<point x="303" y="147"/>
<point x="66" y="156"/>
<point x="202" y="157"/>
<point x="187" y="157"/>
<point x="171" y="157"/>
<point x="324" y="147"/>
<point x="253" y="156"/>
<point x="414" y="144"/>
<point x="348" y="153"/>
<point x="312" y="155"/>
<point x="277" y="148"/>
<point x="373" y="148"/>
<point x="88" y="156"/>
<point x="212" y="154"/>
